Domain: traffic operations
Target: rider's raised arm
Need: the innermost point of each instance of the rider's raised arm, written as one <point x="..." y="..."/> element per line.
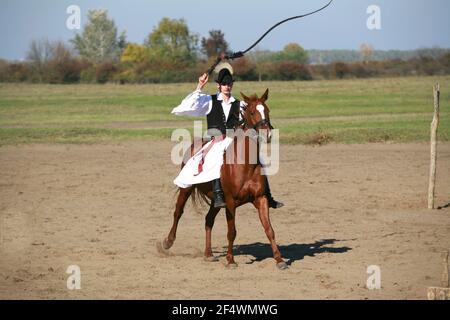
<point x="195" y="104"/>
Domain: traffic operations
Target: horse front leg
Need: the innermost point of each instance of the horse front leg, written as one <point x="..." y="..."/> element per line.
<point x="262" y="205"/>
<point x="183" y="196"/>
<point x="209" y="223"/>
<point x="231" y="235"/>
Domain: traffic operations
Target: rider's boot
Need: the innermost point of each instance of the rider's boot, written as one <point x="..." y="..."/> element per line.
<point x="218" y="194"/>
<point x="272" y="202"/>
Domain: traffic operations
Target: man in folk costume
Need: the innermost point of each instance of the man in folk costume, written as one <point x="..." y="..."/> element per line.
<point x="223" y="112"/>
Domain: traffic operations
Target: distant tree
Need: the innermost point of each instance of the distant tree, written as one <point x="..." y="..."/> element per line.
<point x="39" y="54"/>
<point x="288" y="70"/>
<point x="366" y="51"/>
<point x="262" y="61"/>
<point x="14" y="72"/>
<point x="445" y="60"/>
<point x="105" y="71"/>
<point x="63" y="67"/>
<point x="99" y="41"/>
<point x="341" y="69"/>
<point x="122" y="42"/>
<point x="60" y="52"/>
<point x="244" y="69"/>
<point x="214" y="44"/>
<point x="3" y="70"/>
<point x="293" y="52"/>
<point x="52" y="61"/>
<point x="39" y="51"/>
<point x="134" y="53"/>
<point x="3" y="64"/>
<point x="172" y="41"/>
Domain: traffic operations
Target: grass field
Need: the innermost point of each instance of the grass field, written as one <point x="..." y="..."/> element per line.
<point x="342" y="111"/>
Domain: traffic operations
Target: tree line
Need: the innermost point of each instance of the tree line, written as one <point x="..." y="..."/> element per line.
<point x="172" y="53"/>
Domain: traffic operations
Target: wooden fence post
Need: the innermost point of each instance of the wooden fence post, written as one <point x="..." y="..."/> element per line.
<point x="444" y="280"/>
<point x="434" y="127"/>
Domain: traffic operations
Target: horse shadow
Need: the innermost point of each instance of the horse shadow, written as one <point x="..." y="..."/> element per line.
<point x="444" y="206"/>
<point x="292" y="252"/>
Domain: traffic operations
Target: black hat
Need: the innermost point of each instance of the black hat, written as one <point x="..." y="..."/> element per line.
<point x="225" y="77"/>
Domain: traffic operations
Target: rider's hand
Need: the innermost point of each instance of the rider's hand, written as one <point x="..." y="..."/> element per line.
<point x="202" y="81"/>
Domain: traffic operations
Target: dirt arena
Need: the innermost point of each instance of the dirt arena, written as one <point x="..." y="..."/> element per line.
<point x="103" y="207"/>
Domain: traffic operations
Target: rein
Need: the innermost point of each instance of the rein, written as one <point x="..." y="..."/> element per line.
<point x="239" y="54"/>
<point x="261" y="123"/>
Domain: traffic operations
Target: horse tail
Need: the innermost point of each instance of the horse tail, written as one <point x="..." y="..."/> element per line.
<point x="198" y="197"/>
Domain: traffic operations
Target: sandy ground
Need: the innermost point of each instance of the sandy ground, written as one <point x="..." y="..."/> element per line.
<point x="104" y="207"/>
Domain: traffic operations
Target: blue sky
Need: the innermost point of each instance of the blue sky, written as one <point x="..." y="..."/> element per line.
<point x="405" y="24"/>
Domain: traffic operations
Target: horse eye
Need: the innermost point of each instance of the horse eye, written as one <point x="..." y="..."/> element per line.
<point x="252" y="114"/>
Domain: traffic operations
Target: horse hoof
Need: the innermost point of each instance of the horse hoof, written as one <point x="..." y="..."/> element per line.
<point x="232" y="265"/>
<point x="162" y="248"/>
<point x="211" y="259"/>
<point x="166" y="244"/>
<point x="282" y="265"/>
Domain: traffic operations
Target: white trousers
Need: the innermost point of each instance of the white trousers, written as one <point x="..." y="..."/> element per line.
<point x="212" y="163"/>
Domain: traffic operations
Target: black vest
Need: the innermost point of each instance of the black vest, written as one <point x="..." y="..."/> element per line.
<point x="216" y="118"/>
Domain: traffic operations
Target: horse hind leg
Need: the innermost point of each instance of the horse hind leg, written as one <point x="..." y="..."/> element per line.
<point x="262" y="205"/>
<point x="209" y="223"/>
<point x="183" y="196"/>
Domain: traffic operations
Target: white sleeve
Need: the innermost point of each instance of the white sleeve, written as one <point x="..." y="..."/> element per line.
<point x="195" y="104"/>
<point x="242" y="106"/>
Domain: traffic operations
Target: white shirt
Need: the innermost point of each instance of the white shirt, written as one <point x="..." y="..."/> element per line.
<point x="197" y="104"/>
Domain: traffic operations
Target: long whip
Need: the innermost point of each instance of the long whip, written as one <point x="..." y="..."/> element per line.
<point x="239" y="54"/>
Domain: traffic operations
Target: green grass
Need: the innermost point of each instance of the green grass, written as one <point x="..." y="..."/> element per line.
<point x="78" y="135"/>
<point x="343" y="111"/>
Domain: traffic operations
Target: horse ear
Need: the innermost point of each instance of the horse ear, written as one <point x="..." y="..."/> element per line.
<point x="265" y="96"/>
<point x="246" y="99"/>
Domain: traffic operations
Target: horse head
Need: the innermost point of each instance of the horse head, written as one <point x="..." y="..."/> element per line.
<point x="256" y="113"/>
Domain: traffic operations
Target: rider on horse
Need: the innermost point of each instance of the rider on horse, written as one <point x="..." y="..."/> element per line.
<point x="223" y="112"/>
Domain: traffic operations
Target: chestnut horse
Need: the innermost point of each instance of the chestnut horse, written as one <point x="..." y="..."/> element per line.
<point x="241" y="184"/>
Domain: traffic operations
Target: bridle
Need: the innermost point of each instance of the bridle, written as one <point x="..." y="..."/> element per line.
<point x="262" y="123"/>
<point x="257" y="125"/>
